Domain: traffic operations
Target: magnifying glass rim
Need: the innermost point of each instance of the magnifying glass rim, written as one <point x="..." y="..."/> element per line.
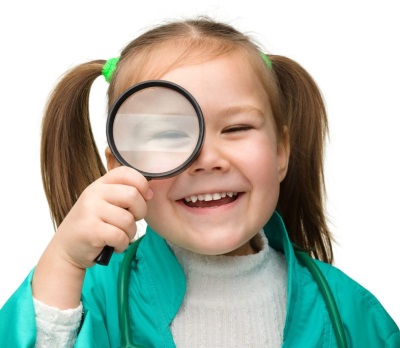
<point x="135" y="88"/>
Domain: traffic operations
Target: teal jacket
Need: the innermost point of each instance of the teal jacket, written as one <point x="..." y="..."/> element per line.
<point x="158" y="286"/>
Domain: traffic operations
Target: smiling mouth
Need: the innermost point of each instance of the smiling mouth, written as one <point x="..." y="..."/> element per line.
<point x="209" y="200"/>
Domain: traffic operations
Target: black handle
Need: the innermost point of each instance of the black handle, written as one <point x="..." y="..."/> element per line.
<point x="104" y="257"/>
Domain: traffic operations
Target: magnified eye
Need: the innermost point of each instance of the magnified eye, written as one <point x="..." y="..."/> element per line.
<point x="171" y="135"/>
<point x="170" y="139"/>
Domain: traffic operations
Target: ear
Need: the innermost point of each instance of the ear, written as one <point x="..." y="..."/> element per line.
<point x="283" y="153"/>
<point x="111" y="160"/>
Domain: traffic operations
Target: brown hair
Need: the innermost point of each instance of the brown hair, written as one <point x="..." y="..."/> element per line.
<point x="70" y="160"/>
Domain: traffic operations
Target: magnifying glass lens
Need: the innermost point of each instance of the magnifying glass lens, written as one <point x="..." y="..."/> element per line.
<point x="156" y="128"/>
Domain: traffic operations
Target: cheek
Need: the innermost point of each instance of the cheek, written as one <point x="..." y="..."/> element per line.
<point x="266" y="188"/>
<point x="160" y="190"/>
<point x="266" y="180"/>
<point x="268" y="165"/>
<point x="260" y="159"/>
<point x="157" y="206"/>
<point x="260" y="162"/>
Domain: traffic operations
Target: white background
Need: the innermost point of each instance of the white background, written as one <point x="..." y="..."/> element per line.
<point x="349" y="47"/>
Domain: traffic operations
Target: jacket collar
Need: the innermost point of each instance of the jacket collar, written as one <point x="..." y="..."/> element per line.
<point x="278" y="239"/>
<point x="168" y="283"/>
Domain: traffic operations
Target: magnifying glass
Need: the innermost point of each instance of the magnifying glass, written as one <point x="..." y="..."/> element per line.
<point x="157" y="128"/>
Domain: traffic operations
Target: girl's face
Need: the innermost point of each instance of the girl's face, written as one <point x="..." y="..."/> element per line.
<point x="231" y="190"/>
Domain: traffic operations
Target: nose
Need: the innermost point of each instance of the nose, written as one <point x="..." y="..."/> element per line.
<point x="212" y="158"/>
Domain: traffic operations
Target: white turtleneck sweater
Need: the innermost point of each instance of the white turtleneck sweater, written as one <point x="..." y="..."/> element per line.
<point x="231" y="301"/>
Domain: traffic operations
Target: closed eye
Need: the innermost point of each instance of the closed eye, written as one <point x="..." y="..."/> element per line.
<point x="237" y="129"/>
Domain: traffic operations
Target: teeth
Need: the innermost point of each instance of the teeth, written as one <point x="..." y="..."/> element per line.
<point x="216" y="196"/>
<point x="207" y="197"/>
<point x="193" y="199"/>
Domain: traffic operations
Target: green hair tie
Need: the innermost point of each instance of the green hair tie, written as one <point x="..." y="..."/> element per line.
<point x="266" y="60"/>
<point x="109" y="68"/>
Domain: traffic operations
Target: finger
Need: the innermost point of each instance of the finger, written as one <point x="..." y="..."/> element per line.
<point x="114" y="237"/>
<point x="120" y="218"/>
<point x="127" y="197"/>
<point x="128" y="176"/>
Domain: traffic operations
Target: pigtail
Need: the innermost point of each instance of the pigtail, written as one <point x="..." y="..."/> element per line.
<point x="302" y="197"/>
<point x="69" y="157"/>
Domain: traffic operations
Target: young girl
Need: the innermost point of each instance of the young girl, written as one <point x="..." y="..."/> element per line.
<point x="217" y="265"/>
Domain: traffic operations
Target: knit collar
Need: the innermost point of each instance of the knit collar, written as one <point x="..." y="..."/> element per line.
<point x="211" y="265"/>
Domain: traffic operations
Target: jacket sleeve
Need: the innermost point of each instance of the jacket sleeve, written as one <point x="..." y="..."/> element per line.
<point x="17" y="318"/>
<point x="100" y="325"/>
<point x="100" y="319"/>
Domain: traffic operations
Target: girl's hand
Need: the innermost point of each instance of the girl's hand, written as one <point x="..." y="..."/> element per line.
<point x="104" y="214"/>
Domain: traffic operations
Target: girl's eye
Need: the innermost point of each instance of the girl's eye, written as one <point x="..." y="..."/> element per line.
<point x="171" y="135"/>
<point x="237" y="129"/>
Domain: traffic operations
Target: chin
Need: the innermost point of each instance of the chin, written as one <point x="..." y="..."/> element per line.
<point x="218" y="247"/>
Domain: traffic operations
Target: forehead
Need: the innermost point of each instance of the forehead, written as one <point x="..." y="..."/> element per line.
<point x="156" y="61"/>
<point x="228" y="79"/>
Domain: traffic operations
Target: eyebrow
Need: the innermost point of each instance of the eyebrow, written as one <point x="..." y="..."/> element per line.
<point x="240" y="109"/>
